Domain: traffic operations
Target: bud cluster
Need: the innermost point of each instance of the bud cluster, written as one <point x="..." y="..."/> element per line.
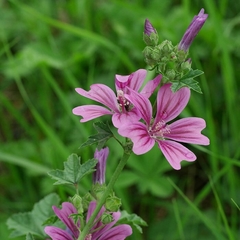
<point x="168" y="60"/>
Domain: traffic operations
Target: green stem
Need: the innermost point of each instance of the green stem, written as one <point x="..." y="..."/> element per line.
<point x="109" y="188"/>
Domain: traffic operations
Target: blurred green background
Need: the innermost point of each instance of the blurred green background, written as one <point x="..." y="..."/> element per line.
<point x="48" y="48"/>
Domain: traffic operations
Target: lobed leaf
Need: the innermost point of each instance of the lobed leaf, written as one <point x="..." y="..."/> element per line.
<point x="30" y="223"/>
<point x="188" y="81"/>
<point x="73" y="170"/>
<point x="133" y="220"/>
<point x="104" y="134"/>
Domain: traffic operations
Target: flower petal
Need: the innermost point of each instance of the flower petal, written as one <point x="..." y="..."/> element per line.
<point x="142" y="104"/>
<point x="133" y="81"/>
<point x="64" y="213"/>
<point x="119" y="232"/>
<point x="101" y="93"/>
<point x="57" y="233"/>
<point x="149" y="88"/>
<point x="91" y="208"/>
<point x="175" y="153"/>
<point x="105" y="229"/>
<point x="89" y="112"/>
<point x="120" y="119"/>
<point x="138" y="133"/>
<point x="188" y="130"/>
<point x="169" y="104"/>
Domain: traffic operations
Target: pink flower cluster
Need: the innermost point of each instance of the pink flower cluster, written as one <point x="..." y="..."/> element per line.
<point x="132" y="113"/>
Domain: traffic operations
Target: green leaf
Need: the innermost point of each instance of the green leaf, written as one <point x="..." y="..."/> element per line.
<point x="188" y="81"/>
<point x="73" y="170"/>
<point x="31" y="222"/>
<point x="29" y="237"/>
<point x="132" y="219"/>
<point x="104" y="134"/>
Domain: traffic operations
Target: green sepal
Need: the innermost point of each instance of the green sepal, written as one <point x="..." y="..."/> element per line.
<point x="188" y="81"/>
<point x="77" y="202"/>
<point x="30" y="223"/>
<point x="133" y="220"/>
<point x="106" y="218"/>
<point x="113" y="203"/>
<point x="73" y="170"/>
<point x="103" y="135"/>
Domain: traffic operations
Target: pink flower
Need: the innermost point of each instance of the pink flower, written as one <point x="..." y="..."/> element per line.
<point x="63" y="214"/>
<point x="169" y="106"/>
<point x="118" y="106"/>
<point x="108" y="232"/>
<point x="98" y="232"/>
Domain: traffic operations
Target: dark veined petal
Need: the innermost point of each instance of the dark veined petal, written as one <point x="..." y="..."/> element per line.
<point x="151" y="85"/>
<point x="169" y="104"/>
<point x="57" y="233"/>
<point x="102" y="94"/>
<point x="89" y="112"/>
<point x="120" y="119"/>
<point x="139" y="135"/>
<point x="105" y="229"/>
<point x="64" y="213"/>
<point x="175" y="153"/>
<point x="133" y="81"/>
<point x="119" y="232"/>
<point x="142" y="104"/>
<point x="188" y="130"/>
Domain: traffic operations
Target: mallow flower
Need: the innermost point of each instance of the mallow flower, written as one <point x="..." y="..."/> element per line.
<point x="192" y="30"/>
<point x="167" y="136"/>
<point x="117" y="105"/>
<point x="99" y="231"/>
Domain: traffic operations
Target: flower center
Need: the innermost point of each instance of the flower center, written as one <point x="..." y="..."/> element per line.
<point x="124" y="104"/>
<point x="88" y="237"/>
<point x="158" y="130"/>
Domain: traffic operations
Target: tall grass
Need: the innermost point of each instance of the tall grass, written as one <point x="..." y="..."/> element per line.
<point x="48" y="48"/>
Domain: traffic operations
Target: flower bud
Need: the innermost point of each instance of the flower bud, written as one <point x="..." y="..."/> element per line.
<point x="99" y="174"/>
<point x="106" y="218"/>
<point x="113" y="203"/>
<point x="150" y="35"/>
<point x="170" y="74"/>
<point x="192" y="30"/>
<point x="186" y="65"/>
<point x="77" y="202"/>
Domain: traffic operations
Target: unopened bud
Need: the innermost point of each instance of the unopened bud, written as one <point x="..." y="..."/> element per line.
<point x="106" y="218"/>
<point x="192" y="30"/>
<point x="113" y="203"/>
<point x="170" y="74"/>
<point x="77" y="202"/>
<point x="150" y="35"/>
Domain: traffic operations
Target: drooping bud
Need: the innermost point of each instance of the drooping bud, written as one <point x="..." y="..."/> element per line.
<point x="192" y="30"/>
<point x="99" y="174"/>
<point x="150" y="35"/>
